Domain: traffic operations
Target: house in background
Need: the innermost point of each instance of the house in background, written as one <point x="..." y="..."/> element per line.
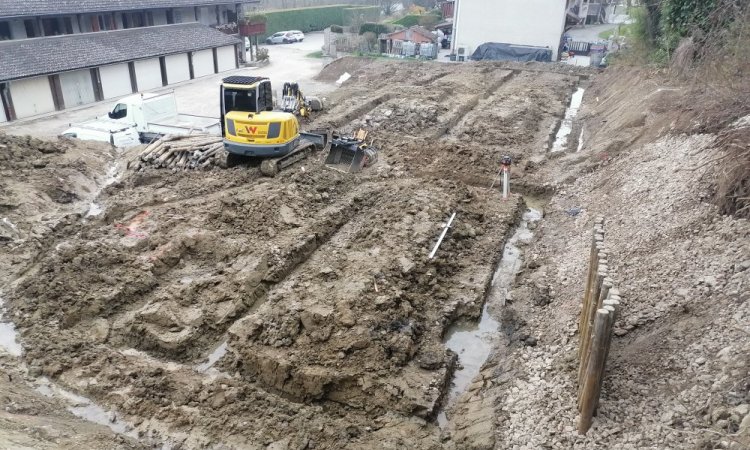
<point x="57" y="54"/>
<point x="448" y="8"/>
<point x="534" y="23"/>
<point x="413" y="41"/>
<point x="582" y="12"/>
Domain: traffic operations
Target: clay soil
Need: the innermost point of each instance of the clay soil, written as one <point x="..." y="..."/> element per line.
<point x="316" y="283"/>
<point x="222" y="309"/>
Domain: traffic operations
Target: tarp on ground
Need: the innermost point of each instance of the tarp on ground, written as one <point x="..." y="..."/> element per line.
<point x="493" y="51"/>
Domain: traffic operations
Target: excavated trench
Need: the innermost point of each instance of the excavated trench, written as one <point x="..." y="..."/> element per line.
<point x="474" y="341"/>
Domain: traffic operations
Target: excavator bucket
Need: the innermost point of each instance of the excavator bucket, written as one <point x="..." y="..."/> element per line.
<point x="351" y="154"/>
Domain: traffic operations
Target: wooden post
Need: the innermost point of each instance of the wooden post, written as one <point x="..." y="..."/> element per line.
<point x="612" y="306"/>
<point x="596" y="240"/>
<point x="592" y="379"/>
<point x="593" y="300"/>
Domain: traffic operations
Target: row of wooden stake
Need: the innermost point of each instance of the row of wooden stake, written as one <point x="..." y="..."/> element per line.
<point x="601" y="306"/>
<point x="183" y="152"/>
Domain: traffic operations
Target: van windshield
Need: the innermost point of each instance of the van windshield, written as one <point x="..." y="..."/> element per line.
<point x="240" y="100"/>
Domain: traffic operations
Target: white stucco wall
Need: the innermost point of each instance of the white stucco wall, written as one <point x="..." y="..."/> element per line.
<point x="74" y="22"/>
<point x="17" y="29"/>
<point x="2" y="112"/>
<point x="86" y="24"/>
<point x="538" y="23"/>
<point x="203" y="63"/>
<point x="77" y="88"/>
<point x="160" y="17"/>
<point x="184" y="15"/>
<point x="225" y="56"/>
<point x="207" y="15"/>
<point x="31" y="96"/>
<point x="148" y="74"/>
<point x="115" y="80"/>
<point x="177" y="68"/>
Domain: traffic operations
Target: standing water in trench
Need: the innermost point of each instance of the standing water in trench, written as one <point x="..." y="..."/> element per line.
<point x="8" y="334"/>
<point x="95" y="208"/>
<point x="78" y="405"/>
<point x="473" y="342"/>
<point x="566" y="126"/>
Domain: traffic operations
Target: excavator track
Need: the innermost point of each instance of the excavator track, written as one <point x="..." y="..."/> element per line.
<point x="271" y="167"/>
<point x="309" y="143"/>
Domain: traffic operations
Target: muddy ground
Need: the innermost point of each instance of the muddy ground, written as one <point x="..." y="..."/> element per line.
<point x="221" y="309"/>
<point x="313" y="287"/>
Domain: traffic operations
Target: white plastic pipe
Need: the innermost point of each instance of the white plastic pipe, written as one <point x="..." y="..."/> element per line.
<point x="506" y="184"/>
<point x="442" y="235"/>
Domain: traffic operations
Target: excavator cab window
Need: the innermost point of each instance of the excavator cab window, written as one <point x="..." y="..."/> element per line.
<point x="240" y="100"/>
<point x="265" y="96"/>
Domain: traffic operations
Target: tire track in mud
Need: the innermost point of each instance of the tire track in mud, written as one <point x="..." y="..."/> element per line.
<point x="367" y="282"/>
<point x="478" y="100"/>
<point x="357" y="111"/>
<point x="294" y="257"/>
<point x="501" y="97"/>
<point x="280" y="264"/>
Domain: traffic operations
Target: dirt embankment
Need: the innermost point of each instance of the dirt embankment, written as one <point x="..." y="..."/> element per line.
<point x="43" y="186"/>
<point x="677" y="373"/>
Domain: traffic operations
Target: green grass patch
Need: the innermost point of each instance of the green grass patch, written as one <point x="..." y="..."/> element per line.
<point x="318" y="54"/>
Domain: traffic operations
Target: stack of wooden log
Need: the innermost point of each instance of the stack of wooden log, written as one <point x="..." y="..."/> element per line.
<point x="183" y="152"/>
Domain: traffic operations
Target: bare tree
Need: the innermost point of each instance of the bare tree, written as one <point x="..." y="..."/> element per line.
<point x="388" y="6"/>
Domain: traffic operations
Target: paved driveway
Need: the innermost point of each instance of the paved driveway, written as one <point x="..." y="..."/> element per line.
<point x="288" y="62"/>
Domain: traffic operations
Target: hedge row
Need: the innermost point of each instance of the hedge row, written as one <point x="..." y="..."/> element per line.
<point x="377" y="28"/>
<point x="360" y="15"/>
<point x="408" y="20"/>
<point x="317" y="18"/>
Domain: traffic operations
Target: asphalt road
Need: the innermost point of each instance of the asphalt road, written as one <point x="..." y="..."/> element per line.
<point x="288" y="62"/>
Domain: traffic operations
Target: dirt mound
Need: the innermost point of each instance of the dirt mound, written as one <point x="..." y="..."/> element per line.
<point x="348" y="64"/>
<point x="40" y="183"/>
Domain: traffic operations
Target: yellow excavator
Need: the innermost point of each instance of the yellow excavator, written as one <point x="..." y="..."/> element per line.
<point x="252" y="128"/>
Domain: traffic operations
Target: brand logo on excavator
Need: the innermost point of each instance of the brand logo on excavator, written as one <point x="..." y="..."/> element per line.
<point x="251" y="130"/>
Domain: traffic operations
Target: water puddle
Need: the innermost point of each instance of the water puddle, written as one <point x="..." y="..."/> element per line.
<point x="215" y="355"/>
<point x="84" y="408"/>
<point x="10" y="224"/>
<point x="95" y="209"/>
<point x="566" y="126"/>
<point x="473" y="342"/>
<point x="8" y="334"/>
<point x="80" y="406"/>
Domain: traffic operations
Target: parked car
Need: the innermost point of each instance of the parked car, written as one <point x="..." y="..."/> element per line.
<point x="282" y="37"/>
<point x="285" y="37"/>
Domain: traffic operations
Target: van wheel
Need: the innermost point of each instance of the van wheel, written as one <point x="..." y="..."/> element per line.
<point x="286" y="41"/>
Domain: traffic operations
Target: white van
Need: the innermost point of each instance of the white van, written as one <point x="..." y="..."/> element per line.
<point x="115" y="133"/>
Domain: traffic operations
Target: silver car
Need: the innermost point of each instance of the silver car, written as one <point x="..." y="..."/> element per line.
<point x="297" y="36"/>
<point x="285" y="37"/>
<point x="282" y="37"/>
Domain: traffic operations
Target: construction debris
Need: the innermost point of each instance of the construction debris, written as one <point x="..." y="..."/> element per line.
<point x="183" y="152"/>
